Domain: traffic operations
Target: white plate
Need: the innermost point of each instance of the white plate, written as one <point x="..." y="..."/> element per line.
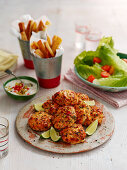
<point x="103" y="133"/>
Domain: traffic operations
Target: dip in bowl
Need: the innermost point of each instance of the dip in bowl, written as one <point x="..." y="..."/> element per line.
<point x="15" y="89"/>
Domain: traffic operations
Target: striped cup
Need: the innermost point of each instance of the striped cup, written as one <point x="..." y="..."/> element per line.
<point x="4" y="134"/>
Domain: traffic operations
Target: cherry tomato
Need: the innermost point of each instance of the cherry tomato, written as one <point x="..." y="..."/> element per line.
<point x="125" y="60"/>
<point x="105" y="74"/>
<point x="106" y="68"/>
<point x="111" y="71"/>
<point x="96" y="60"/>
<point x="91" y="78"/>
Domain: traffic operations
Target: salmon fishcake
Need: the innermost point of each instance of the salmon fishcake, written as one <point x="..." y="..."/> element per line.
<point x="74" y="134"/>
<point x="95" y="113"/>
<point x="53" y="109"/>
<point x="82" y="97"/>
<point x="64" y="117"/>
<point x="40" y="121"/>
<point x="47" y="105"/>
<point x="67" y="110"/>
<point x="83" y="111"/>
<point x="65" y="97"/>
<point x="50" y="107"/>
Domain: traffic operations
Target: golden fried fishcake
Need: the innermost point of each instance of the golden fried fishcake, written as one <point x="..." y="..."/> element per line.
<point x="82" y="97"/>
<point x="40" y="121"/>
<point x="50" y="107"/>
<point x="83" y="111"/>
<point x="65" y="97"/>
<point x="74" y="134"/>
<point x="53" y="109"/>
<point x="67" y="110"/>
<point x="64" y="117"/>
<point x="95" y="113"/>
<point x="47" y="105"/>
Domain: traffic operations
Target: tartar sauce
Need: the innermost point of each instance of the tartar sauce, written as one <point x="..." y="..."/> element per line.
<point x="26" y="88"/>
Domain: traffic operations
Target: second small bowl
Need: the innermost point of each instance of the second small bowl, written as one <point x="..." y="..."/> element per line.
<point x="21" y="97"/>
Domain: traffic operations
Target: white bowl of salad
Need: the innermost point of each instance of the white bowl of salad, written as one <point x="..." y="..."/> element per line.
<point x="104" y="68"/>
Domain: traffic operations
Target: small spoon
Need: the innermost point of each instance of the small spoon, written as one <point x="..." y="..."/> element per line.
<point x="11" y="73"/>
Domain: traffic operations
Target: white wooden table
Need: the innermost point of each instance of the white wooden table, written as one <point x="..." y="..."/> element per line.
<point x="108" y="16"/>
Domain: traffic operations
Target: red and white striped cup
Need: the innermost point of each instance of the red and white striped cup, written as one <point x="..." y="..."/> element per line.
<point x="4" y="135"/>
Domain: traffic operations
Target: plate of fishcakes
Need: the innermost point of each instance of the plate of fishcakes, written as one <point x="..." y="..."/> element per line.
<point x="69" y="113"/>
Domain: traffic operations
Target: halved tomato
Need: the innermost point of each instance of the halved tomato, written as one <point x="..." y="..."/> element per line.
<point x="105" y="74"/>
<point x="96" y="60"/>
<point x="91" y="78"/>
<point x="106" y="68"/>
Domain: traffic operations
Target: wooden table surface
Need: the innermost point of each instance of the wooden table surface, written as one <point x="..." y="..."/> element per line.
<point x="107" y="16"/>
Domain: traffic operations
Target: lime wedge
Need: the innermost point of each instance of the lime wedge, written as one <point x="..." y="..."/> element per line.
<point x="54" y="135"/>
<point x="45" y="135"/>
<point x="92" y="128"/>
<point x="38" y="107"/>
<point x="90" y="103"/>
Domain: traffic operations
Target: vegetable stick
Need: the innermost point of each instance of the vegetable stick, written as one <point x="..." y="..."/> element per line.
<point x="54" y="39"/>
<point x="56" y="42"/>
<point x="41" y="46"/>
<point x="38" y="52"/>
<point x="40" y="26"/>
<point x="34" y="27"/>
<point x="23" y="36"/>
<point x="49" y="48"/>
<point x="28" y="29"/>
<point x="44" y="28"/>
<point x="21" y="26"/>
<point x="49" y="40"/>
<point x="47" y="52"/>
<point x="47" y="23"/>
<point x="34" y="45"/>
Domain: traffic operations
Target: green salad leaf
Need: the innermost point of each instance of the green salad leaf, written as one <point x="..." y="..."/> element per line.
<point x="86" y="58"/>
<point x="112" y="81"/>
<point x="85" y="70"/>
<point x="107" y="40"/>
<point x="108" y="55"/>
<point x="79" y="59"/>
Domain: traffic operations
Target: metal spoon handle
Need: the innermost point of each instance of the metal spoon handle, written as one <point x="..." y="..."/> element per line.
<point x="11" y="73"/>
